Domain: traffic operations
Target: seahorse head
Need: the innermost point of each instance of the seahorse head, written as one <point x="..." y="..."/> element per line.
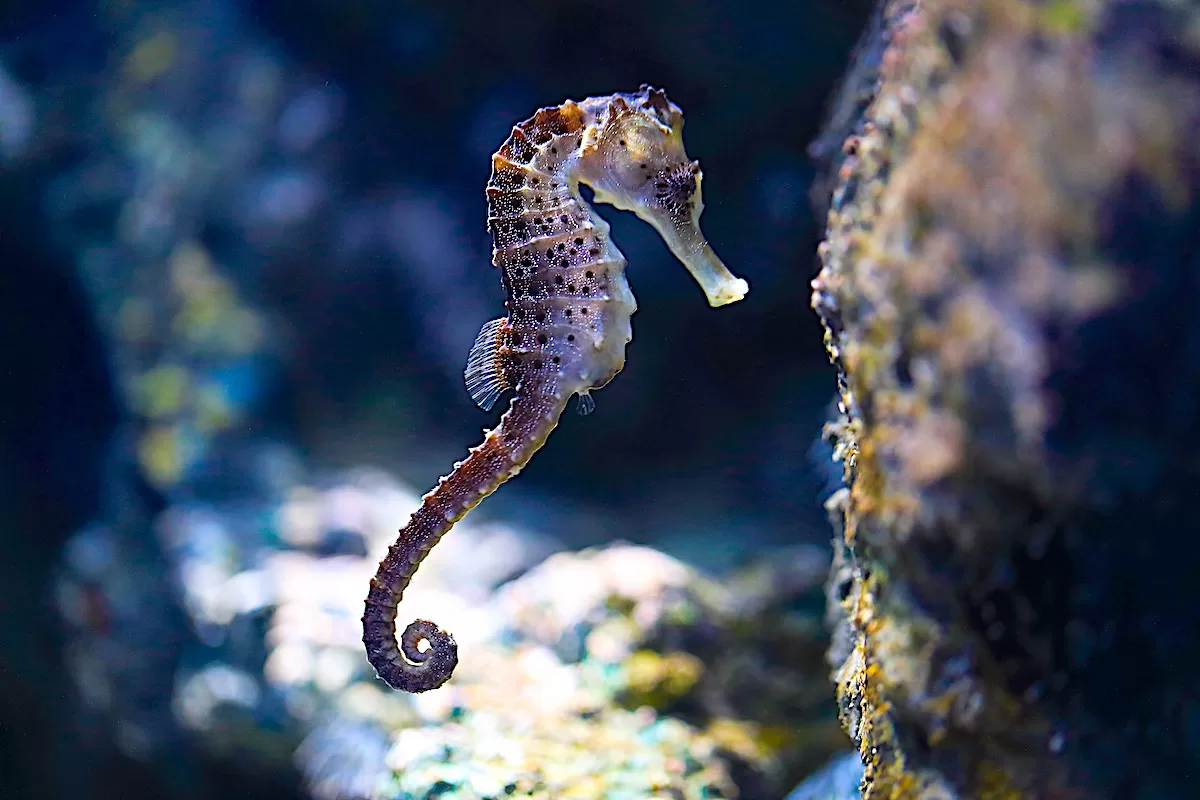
<point x="635" y="160"/>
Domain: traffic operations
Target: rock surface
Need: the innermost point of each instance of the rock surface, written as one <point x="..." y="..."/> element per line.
<point x="1009" y="286"/>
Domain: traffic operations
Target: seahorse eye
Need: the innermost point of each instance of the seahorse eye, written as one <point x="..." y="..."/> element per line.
<point x="674" y="187"/>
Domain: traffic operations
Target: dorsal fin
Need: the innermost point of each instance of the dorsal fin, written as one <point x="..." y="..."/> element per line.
<point x="485" y="375"/>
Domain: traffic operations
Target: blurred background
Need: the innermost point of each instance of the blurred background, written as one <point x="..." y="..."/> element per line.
<point x="243" y="249"/>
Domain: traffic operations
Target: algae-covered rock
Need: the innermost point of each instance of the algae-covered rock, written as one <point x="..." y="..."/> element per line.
<point x="614" y="672"/>
<point x="1009" y="287"/>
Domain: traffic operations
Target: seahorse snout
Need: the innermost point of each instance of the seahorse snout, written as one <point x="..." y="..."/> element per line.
<point x="682" y="234"/>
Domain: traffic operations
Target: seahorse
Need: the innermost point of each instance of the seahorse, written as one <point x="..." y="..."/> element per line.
<point x="568" y="322"/>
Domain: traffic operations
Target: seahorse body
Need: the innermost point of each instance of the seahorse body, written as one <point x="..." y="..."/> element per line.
<point x="569" y="309"/>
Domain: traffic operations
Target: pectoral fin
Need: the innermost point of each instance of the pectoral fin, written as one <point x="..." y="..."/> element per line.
<point x="586" y="404"/>
<point x="485" y="374"/>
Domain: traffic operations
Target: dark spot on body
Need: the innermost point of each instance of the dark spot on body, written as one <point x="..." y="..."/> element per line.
<point x="508" y="179"/>
<point x="570" y="337"/>
<point x="558" y="279"/>
<point x="505" y="204"/>
<point x="541" y="338"/>
<point x="520" y="149"/>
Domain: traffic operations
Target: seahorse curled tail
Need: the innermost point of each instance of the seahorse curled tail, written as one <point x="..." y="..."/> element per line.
<point x="505" y="450"/>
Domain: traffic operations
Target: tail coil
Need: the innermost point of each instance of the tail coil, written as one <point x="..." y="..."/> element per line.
<point x="404" y="665"/>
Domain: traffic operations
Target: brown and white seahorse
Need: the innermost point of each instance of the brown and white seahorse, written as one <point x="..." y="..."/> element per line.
<point x="568" y="322"/>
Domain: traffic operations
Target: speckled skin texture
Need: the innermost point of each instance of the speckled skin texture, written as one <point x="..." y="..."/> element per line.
<point x="569" y="309"/>
<point x="1008" y="286"/>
